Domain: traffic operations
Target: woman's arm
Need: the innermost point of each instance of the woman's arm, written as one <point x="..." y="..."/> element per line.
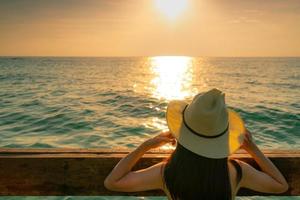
<point x="122" y="178"/>
<point x="270" y="179"/>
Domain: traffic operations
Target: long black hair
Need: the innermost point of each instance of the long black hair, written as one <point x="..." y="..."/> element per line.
<point x="189" y="176"/>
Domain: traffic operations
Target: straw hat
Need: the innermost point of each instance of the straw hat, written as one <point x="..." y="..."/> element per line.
<point x="206" y="126"/>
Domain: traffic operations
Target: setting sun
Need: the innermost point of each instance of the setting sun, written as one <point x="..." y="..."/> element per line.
<point x="171" y="8"/>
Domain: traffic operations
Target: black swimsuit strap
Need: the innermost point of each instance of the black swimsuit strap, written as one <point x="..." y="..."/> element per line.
<point x="238" y="170"/>
<point x="162" y="167"/>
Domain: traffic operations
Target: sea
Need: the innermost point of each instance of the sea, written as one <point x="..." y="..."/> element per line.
<point x="119" y="102"/>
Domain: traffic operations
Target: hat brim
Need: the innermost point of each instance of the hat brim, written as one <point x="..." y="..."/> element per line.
<point x="219" y="147"/>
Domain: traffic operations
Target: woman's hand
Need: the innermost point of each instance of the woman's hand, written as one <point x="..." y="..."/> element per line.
<point x="248" y="143"/>
<point x="159" y="140"/>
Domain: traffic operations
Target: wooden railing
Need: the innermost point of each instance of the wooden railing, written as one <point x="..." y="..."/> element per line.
<point x="48" y="172"/>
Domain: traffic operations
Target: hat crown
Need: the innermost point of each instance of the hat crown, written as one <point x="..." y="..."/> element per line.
<point x="207" y="114"/>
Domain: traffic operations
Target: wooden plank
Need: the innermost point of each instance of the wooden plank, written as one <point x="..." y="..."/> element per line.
<point x="47" y="172"/>
<point x="118" y="150"/>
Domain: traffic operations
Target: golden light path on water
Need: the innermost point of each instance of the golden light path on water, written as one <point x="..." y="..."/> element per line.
<point x="173" y="76"/>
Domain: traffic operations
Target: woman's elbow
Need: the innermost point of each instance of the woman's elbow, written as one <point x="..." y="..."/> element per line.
<point x="281" y="189"/>
<point x="284" y="188"/>
<point x="108" y="184"/>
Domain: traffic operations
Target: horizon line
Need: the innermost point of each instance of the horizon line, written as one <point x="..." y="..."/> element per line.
<point x="139" y="56"/>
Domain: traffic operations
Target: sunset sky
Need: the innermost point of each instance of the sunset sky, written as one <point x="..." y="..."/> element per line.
<point x="149" y="28"/>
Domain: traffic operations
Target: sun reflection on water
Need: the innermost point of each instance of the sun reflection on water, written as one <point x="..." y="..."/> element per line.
<point x="172" y="77"/>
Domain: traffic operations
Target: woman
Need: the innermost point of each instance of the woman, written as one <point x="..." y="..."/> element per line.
<point x="207" y="132"/>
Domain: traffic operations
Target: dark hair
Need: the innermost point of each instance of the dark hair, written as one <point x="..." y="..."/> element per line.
<point x="189" y="176"/>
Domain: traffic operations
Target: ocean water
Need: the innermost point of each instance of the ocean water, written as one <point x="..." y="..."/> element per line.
<point x="49" y="102"/>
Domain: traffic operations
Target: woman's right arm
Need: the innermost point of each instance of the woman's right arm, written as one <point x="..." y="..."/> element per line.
<point x="269" y="180"/>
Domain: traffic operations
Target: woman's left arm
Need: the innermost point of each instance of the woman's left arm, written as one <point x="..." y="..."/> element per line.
<point x="123" y="179"/>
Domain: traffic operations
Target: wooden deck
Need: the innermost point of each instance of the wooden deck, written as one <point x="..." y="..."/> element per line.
<point x="48" y="172"/>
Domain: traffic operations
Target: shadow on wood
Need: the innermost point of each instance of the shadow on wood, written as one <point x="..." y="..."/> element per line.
<point x="57" y="172"/>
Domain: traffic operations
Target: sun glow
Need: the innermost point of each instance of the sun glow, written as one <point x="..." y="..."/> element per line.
<point x="171" y="8"/>
<point x="173" y="76"/>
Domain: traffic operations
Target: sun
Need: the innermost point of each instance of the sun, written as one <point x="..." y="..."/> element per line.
<point x="171" y="8"/>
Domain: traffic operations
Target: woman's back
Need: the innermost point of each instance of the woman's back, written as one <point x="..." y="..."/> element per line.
<point x="235" y="175"/>
<point x="187" y="175"/>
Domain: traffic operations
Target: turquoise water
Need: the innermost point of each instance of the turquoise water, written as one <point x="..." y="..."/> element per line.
<point x="119" y="102"/>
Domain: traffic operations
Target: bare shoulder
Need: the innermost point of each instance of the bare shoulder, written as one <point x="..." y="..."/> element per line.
<point x="155" y="173"/>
